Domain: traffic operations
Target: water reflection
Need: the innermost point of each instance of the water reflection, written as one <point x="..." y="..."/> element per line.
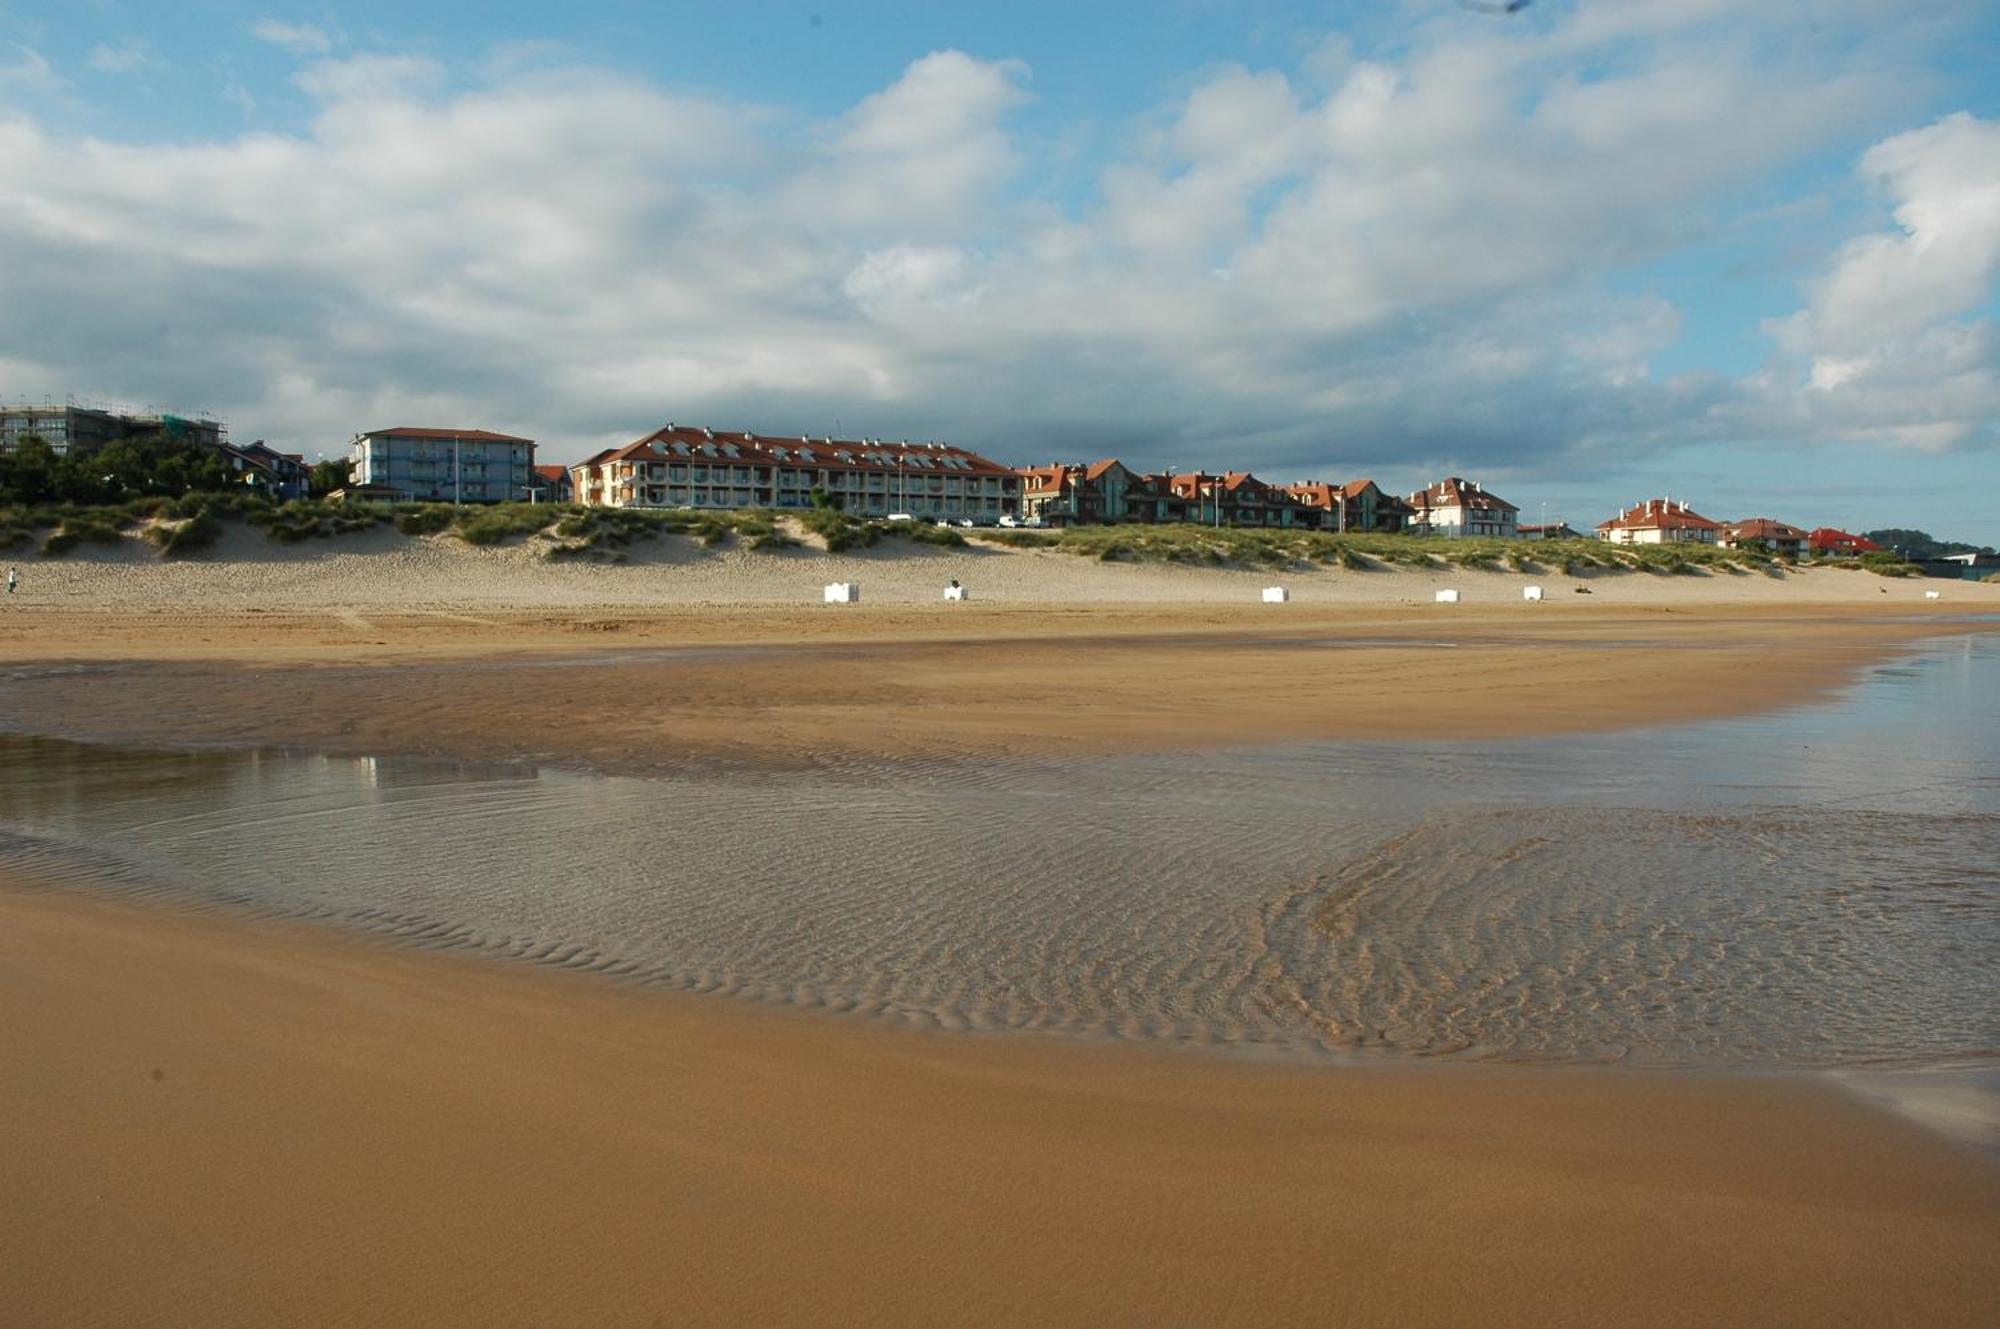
<point x="1811" y="888"/>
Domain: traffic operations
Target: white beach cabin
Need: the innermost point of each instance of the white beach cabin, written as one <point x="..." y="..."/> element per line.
<point x="843" y="592"/>
<point x="1276" y="595"/>
<point x="1447" y="597"/>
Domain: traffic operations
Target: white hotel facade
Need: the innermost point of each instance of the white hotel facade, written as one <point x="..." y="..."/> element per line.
<point x="686" y="466"/>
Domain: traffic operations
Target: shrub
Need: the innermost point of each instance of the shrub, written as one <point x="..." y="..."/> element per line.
<point x="840" y="531"/>
<point x="196" y="533"/>
<point x="927" y="534"/>
<point x="490" y="526"/>
<point x="291" y="532"/>
<point x="76" y="530"/>
<point x="428" y="519"/>
<point x="1884" y="563"/>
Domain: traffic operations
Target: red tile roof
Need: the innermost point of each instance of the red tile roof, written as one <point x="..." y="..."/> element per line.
<point x="1318" y="495"/>
<point x="686" y="443"/>
<point x="1827" y="539"/>
<point x="1660" y="514"/>
<point x="1763" y="528"/>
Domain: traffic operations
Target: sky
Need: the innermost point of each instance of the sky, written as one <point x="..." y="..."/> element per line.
<point x="1742" y="254"/>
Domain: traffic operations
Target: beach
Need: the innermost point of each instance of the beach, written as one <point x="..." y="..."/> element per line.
<point x="1052" y="653"/>
<point x="231" y="1116"/>
<point x="215" y="1122"/>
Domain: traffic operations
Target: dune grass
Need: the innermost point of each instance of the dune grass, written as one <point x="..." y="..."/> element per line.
<point x="1360" y="551"/>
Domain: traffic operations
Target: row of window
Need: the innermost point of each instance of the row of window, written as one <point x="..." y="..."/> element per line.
<point x="845" y="456"/>
<point x="701" y="498"/>
<point x="877" y="481"/>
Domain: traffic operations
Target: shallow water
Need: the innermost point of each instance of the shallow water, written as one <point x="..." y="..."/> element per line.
<point x="1816" y="888"/>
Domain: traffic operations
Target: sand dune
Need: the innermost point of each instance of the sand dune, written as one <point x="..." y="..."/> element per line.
<point x="384" y="570"/>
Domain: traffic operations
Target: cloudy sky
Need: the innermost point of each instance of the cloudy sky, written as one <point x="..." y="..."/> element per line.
<point x="1744" y="253"/>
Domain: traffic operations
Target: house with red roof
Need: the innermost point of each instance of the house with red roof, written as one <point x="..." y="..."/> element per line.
<point x="1099" y="493"/>
<point x="552" y="484"/>
<point x="1659" y="521"/>
<point x="1372" y="508"/>
<point x="444" y="465"/>
<point x="685" y="466"/>
<point x="1826" y="542"/>
<point x="1458" y="507"/>
<point x="1781" y="538"/>
<point x="1234" y="498"/>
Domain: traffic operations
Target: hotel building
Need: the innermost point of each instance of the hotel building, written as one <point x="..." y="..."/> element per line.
<point x="684" y="466"/>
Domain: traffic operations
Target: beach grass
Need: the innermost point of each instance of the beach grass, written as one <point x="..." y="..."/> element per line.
<point x="569" y="531"/>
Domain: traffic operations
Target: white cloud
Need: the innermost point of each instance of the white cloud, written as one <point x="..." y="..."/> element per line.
<point x="923" y="155"/>
<point x="298" y="38"/>
<point x="127" y="57"/>
<point x="1884" y="357"/>
<point x="1377" y="259"/>
<point x="26" y="76"/>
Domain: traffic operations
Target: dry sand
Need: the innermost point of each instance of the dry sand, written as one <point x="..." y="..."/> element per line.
<point x="1054" y="653"/>
<point x="215" y="1122"/>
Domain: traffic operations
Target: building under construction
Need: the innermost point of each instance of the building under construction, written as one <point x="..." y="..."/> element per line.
<point x="81" y="430"/>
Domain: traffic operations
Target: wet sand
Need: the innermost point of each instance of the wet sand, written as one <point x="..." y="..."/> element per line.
<point x="638" y="689"/>
<point x="213" y="1120"/>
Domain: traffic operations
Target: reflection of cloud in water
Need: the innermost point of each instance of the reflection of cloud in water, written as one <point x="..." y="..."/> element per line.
<point x="1812" y="887"/>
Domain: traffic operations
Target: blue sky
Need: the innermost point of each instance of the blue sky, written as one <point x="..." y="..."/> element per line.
<point x="1745" y="254"/>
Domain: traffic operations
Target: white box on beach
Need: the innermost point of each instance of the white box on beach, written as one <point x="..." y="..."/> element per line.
<point x="954" y="592"/>
<point x="1531" y="592"/>
<point x="1276" y="595"/>
<point x="843" y="592"/>
<point x="1447" y="597"/>
<point x="1933" y="595"/>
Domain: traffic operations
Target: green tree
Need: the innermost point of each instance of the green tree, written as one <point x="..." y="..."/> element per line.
<point x="28" y="471"/>
<point x="329" y="475"/>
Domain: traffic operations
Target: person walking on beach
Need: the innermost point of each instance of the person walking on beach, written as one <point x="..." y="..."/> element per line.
<point x="13" y="579"/>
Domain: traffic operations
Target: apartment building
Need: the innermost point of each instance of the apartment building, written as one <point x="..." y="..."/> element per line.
<point x="1107" y="493"/>
<point x="428" y="465"/>
<point x="1359" y="505"/>
<point x="1660" y="521"/>
<point x="1456" y="507"/>
<point x="686" y="466"/>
